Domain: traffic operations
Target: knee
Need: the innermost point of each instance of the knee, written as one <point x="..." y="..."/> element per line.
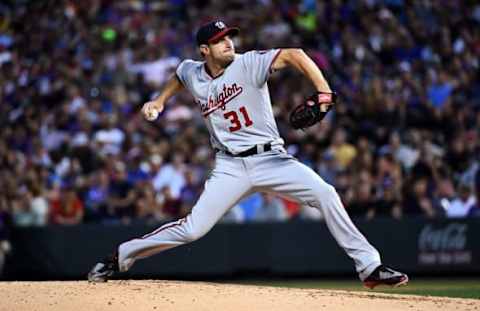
<point x="196" y="233"/>
<point x="325" y="192"/>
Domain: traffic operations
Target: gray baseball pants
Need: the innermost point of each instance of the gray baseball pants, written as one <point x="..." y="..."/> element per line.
<point x="234" y="178"/>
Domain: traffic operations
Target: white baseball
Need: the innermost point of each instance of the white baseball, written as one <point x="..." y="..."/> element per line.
<point x="151" y="115"/>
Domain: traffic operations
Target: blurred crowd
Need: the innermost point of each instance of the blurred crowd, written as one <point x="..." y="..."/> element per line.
<point x="403" y="140"/>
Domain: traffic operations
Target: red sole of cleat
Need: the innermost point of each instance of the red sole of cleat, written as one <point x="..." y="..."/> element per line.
<point x="372" y="285"/>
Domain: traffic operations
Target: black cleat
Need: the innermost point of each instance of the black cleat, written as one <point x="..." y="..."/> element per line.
<point x="383" y="275"/>
<point x="104" y="269"/>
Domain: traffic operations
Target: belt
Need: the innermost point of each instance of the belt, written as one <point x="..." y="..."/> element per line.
<point x="249" y="152"/>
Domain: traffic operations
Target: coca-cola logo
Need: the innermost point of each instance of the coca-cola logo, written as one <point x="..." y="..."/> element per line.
<point x="453" y="237"/>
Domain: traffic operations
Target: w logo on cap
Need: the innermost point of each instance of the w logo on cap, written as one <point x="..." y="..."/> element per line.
<point x="220" y="25"/>
<point x="214" y="30"/>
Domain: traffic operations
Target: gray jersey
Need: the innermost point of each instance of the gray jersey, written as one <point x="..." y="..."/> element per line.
<point x="236" y="105"/>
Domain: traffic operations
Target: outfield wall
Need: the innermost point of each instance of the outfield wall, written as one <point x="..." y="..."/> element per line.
<point x="278" y="249"/>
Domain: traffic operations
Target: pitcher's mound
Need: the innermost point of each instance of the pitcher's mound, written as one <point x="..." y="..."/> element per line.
<point x="198" y="296"/>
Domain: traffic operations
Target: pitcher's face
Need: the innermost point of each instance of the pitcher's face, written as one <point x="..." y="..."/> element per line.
<point x="221" y="51"/>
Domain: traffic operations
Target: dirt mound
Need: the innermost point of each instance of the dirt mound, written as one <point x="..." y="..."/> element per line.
<point x="198" y="296"/>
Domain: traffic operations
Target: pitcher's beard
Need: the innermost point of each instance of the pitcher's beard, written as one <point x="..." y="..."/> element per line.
<point x="227" y="61"/>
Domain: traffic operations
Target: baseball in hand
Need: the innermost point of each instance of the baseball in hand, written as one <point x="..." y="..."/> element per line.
<point x="151" y="111"/>
<point x="151" y="114"/>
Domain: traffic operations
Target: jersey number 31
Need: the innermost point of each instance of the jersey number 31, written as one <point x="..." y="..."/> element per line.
<point x="233" y="117"/>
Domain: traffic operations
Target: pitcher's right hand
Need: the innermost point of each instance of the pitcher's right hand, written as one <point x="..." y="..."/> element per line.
<point x="151" y="110"/>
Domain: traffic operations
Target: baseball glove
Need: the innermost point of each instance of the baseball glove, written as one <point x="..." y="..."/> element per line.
<point x="313" y="110"/>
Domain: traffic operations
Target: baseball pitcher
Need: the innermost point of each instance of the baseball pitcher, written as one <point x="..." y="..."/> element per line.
<point x="232" y="93"/>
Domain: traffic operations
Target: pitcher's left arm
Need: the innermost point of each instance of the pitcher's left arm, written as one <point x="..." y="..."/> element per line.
<point x="298" y="59"/>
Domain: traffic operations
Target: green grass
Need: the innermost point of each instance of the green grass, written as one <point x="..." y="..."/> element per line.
<point x="461" y="288"/>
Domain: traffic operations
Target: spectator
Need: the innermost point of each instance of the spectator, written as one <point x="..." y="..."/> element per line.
<point x="293" y="208"/>
<point x="250" y="206"/>
<point x="418" y="202"/>
<point x="39" y="206"/>
<point x="271" y="209"/>
<point x="444" y="195"/>
<point x="440" y="90"/>
<point x="402" y="153"/>
<point x="388" y="172"/>
<point x="457" y="157"/>
<point x="121" y="196"/>
<point x="22" y="214"/>
<point x="363" y="202"/>
<point x="461" y="206"/>
<point x="342" y="151"/>
<point x="147" y="206"/>
<point x="345" y="187"/>
<point x="326" y="167"/>
<point x="68" y="209"/>
<point x="5" y="224"/>
<point x="171" y="175"/>
<point x="96" y="197"/>
<point x="388" y="203"/>
<point x="475" y="211"/>
<point x="171" y="206"/>
<point x="109" y="138"/>
<point x="190" y="191"/>
<point x="155" y="71"/>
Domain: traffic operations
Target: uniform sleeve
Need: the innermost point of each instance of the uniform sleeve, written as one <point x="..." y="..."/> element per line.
<point x="258" y="65"/>
<point x="183" y="72"/>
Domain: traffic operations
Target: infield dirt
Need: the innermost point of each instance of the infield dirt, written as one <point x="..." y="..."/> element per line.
<point x="198" y="296"/>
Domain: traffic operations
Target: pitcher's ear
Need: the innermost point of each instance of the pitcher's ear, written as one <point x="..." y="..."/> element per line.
<point x="204" y="50"/>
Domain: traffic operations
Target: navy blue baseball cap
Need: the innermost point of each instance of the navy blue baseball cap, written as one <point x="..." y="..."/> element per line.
<point x="215" y="30"/>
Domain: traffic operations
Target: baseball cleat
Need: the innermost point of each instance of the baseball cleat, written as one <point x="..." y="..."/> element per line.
<point x="383" y="275"/>
<point x="103" y="270"/>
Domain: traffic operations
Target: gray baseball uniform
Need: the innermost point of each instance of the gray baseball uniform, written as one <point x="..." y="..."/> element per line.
<point x="238" y="113"/>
